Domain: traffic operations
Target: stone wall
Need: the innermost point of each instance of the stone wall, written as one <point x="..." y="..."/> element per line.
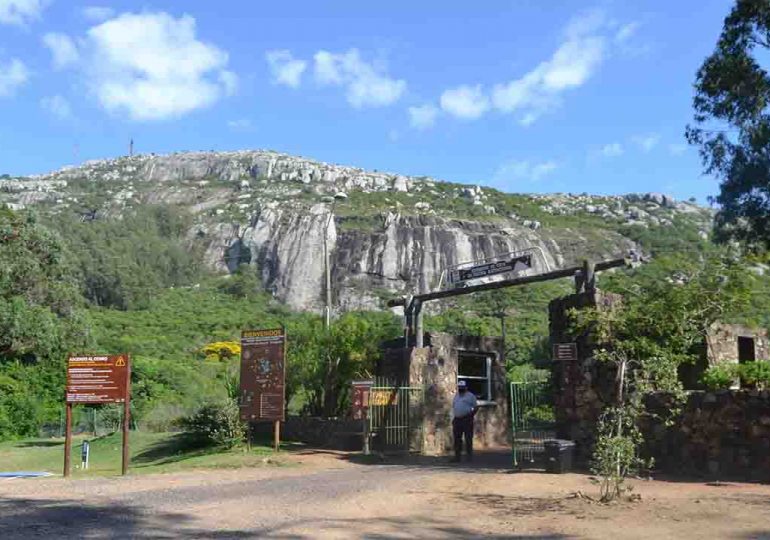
<point x="724" y="433"/>
<point x="334" y="433"/>
<point x="718" y="434"/>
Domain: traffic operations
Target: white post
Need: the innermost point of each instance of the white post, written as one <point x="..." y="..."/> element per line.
<point x="327" y="272"/>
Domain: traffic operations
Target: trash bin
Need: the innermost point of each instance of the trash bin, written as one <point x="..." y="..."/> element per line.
<point x="558" y="455"/>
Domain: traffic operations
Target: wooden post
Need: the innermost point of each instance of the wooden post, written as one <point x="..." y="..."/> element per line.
<point x="67" y="440"/>
<point x="589" y="274"/>
<point x="126" y="419"/>
<point x="418" y="324"/>
<point x="277" y="435"/>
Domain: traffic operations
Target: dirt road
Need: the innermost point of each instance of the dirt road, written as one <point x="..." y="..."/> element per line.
<point x="328" y="497"/>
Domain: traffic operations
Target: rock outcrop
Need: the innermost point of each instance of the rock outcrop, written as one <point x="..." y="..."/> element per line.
<point x="395" y="234"/>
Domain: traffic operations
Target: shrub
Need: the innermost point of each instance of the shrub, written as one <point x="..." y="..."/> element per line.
<point x="720" y="376"/>
<point x="755" y="374"/>
<point x="221" y="350"/>
<point x="214" y="424"/>
<point x="615" y="455"/>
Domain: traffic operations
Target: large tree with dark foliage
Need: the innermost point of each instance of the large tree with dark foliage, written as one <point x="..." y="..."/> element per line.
<point x="732" y="123"/>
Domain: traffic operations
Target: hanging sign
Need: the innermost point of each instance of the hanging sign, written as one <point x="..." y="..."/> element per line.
<point x="518" y="263"/>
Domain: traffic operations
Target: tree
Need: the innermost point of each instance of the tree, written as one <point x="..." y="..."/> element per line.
<point x="39" y="302"/>
<point x="322" y="363"/>
<point x="40" y="319"/>
<point x="732" y="124"/>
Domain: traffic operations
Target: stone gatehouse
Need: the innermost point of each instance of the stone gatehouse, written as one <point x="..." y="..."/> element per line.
<point x="436" y="368"/>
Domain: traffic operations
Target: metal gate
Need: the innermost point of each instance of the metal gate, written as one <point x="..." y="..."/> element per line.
<point x="533" y="420"/>
<point x="395" y="418"/>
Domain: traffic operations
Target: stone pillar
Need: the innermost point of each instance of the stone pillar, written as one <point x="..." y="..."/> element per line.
<point x="583" y="387"/>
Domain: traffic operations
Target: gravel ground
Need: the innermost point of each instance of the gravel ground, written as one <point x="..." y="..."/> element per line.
<point x="327" y="496"/>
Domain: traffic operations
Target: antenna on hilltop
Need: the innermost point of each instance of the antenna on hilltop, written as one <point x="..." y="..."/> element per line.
<point x="131" y="148"/>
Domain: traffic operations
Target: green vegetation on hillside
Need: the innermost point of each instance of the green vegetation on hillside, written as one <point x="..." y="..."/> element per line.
<point x="121" y="262"/>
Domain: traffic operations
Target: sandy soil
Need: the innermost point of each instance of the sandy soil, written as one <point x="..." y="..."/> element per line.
<point x="329" y="496"/>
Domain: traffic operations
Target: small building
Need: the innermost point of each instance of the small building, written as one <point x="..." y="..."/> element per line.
<point x="436" y="368"/>
<point x="727" y="344"/>
<point x="736" y="343"/>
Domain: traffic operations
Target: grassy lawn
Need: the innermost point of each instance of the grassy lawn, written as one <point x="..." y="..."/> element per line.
<point x="150" y="453"/>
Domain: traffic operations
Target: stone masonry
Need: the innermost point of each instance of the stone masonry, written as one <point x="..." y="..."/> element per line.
<point x="435" y="369"/>
<point x="585" y="386"/>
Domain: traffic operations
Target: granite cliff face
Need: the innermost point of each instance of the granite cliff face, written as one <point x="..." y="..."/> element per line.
<point x="393" y="234"/>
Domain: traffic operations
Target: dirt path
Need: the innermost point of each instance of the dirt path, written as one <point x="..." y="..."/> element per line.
<point x="328" y="497"/>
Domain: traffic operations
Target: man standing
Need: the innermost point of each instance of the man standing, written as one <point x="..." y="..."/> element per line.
<point x="464" y="407"/>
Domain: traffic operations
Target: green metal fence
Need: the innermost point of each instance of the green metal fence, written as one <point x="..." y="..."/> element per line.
<point x="395" y="418"/>
<point x="533" y="423"/>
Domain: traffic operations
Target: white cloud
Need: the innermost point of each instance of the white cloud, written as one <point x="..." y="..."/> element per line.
<point x="575" y="61"/>
<point x="13" y="74"/>
<point x="241" y="124"/>
<point x="646" y="142"/>
<point x="525" y="170"/>
<point x="466" y="102"/>
<point x="423" y="117"/>
<point x="98" y="13"/>
<point x="284" y="68"/>
<point x="626" y="31"/>
<point x="229" y="82"/>
<point x="63" y="49"/>
<point x="20" y="12"/>
<point x="612" y="149"/>
<point x="677" y="149"/>
<point x="366" y="84"/>
<point x="152" y="66"/>
<point x="57" y="106"/>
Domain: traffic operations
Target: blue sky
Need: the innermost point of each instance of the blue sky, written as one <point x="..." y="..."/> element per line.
<point x="525" y="96"/>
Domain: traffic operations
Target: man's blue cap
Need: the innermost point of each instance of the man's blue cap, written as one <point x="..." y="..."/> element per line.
<point x="462" y="384"/>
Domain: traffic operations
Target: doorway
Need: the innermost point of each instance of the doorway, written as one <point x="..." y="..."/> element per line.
<point x="746" y="350"/>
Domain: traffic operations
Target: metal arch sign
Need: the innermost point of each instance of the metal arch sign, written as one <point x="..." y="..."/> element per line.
<point x="517" y="263"/>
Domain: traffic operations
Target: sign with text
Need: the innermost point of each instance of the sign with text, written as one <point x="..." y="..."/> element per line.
<point x="515" y="264"/>
<point x="565" y="351"/>
<point x="98" y="379"/>
<point x="383" y="398"/>
<point x="95" y="380"/>
<point x="359" y="400"/>
<point x="263" y="374"/>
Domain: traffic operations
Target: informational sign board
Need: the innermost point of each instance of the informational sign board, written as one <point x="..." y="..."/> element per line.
<point x="263" y="374"/>
<point x="517" y="263"/>
<point x="359" y="402"/>
<point x="565" y="351"/>
<point x="97" y="379"/>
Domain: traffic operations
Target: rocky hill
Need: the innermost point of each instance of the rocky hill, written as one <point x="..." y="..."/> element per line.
<point x="392" y="234"/>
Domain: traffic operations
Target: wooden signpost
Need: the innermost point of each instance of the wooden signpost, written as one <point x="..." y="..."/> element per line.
<point x="263" y="376"/>
<point x="97" y="380"/>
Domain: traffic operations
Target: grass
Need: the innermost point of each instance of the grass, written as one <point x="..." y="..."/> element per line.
<point x="150" y="453"/>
